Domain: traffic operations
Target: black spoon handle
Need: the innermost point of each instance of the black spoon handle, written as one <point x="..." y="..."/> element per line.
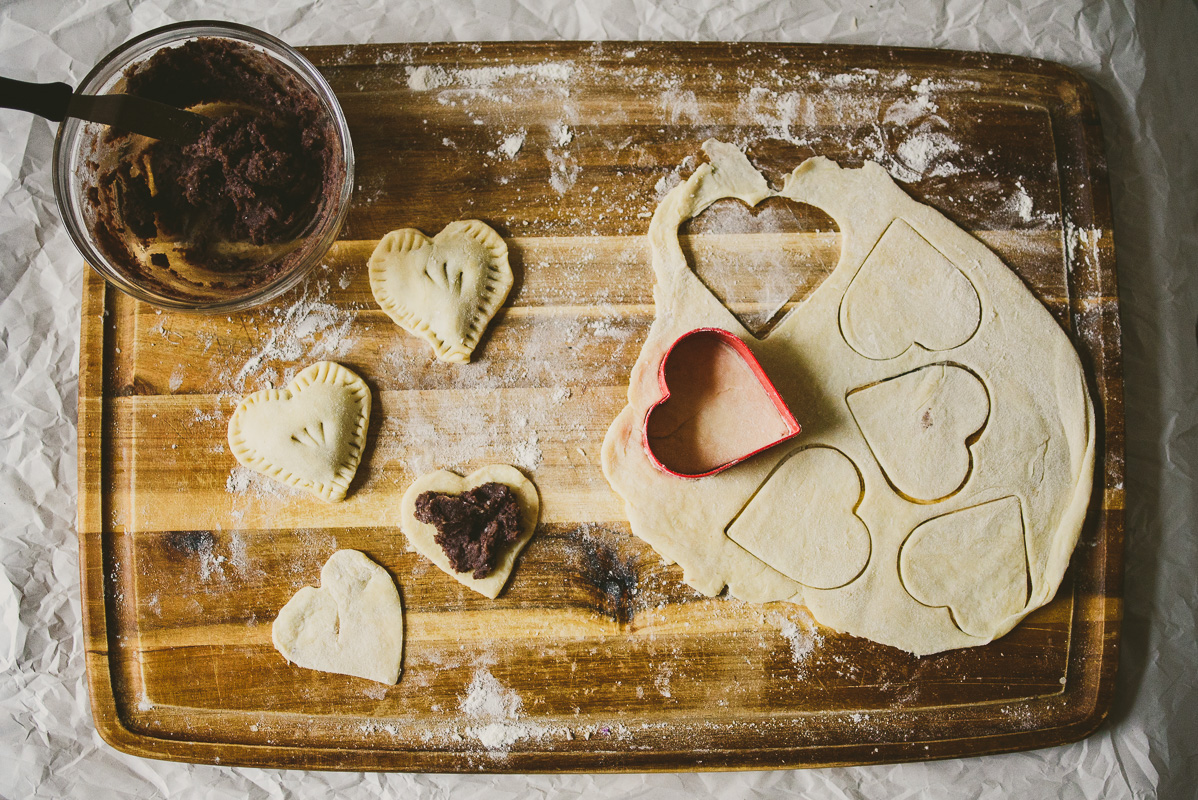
<point x="49" y="100"/>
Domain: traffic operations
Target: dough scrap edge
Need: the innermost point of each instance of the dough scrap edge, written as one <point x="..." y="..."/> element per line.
<point x="333" y="491"/>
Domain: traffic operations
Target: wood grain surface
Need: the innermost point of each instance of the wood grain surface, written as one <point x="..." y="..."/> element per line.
<point x="599" y="656"/>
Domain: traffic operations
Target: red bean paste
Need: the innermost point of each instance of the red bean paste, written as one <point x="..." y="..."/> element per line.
<point x="474" y="526"/>
<point x="256" y="175"/>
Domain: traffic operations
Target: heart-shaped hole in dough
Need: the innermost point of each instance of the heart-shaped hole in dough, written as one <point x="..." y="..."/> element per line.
<point x="761" y="261"/>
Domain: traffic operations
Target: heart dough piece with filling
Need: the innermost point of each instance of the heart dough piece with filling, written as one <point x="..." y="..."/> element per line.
<point x="352" y="624"/>
<point x="310" y="435"/>
<point x="911" y="293"/>
<point x="423" y="535"/>
<point x="445" y="289"/>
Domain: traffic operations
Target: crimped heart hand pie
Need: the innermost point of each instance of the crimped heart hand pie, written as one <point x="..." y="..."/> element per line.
<point x="445" y="289"/>
<point x="310" y="435"/>
<point x="474" y="527"/>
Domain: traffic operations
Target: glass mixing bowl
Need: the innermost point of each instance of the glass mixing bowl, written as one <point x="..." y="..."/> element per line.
<point x="162" y="270"/>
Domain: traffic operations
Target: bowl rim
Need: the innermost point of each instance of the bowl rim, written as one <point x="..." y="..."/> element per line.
<point x="109" y="69"/>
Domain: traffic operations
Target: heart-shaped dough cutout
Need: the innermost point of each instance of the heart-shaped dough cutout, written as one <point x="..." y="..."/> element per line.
<point x="310" y="435"/>
<point x="352" y="624"/>
<point x="718" y="406"/>
<point x="987" y="580"/>
<point x="907" y="292"/>
<point x="445" y="289"/>
<point x="423" y="535"/>
<point x="919" y="427"/>
<point x="802" y="522"/>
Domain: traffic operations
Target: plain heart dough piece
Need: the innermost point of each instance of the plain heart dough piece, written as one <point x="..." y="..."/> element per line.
<point x="421" y="534"/>
<point x="918" y="426"/>
<point x="352" y="624"/>
<point x="310" y="435"/>
<point x="445" y="289"/>
<point x="990" y="535"/>
<point x="911" y="290"/>
<point x="802" y="523"/>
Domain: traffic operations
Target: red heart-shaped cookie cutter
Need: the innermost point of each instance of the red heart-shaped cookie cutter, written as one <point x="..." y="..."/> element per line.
<point x="785" y="419"/>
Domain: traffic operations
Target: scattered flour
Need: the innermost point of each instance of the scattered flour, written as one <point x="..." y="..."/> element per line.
<point x="511" y="145"/>
<point x="1021" y="206"/>
<point x="375" y="691"/>
<point x="498" y="709"/>
<point x="561" y="134"/>
<point x="1020" y="203"/>
<point x="1081" y="247"/>
<point x="425" y="78"/>
<point x="487" y="698"/>
<point x="563" y="170"/>
<point x="527" y="454"/>
<point x="804" y="640"/>
<point x="661" y="681"/>
<point x="665" y="183"/>
<point x="238" y="481"/>
<point x="923" y="155"/>
<point x="681" y="106"/>
<point x="853" y="100"/>
<point x="309" y="329"/>
<point x="907" y="111"/>
<point x="211" y="563"/>
<point x="246" y="482"/>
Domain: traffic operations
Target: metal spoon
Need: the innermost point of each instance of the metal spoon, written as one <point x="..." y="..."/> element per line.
<point x="54" y="101"/>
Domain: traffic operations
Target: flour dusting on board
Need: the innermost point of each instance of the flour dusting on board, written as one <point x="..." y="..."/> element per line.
<point x="905" y="134"/>
<point x="487" y="698"/>
<point x="497" y="710"/>
<point x="426" y="78"/>
<point x="803" y="636"/>
<point x="309" y="328"/>
<point x="510" y="145"/>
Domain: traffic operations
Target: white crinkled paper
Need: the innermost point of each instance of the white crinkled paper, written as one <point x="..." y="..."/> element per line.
<point x="1140" y="60"/>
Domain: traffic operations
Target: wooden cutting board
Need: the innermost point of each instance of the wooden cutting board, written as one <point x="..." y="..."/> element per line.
<point x="597" y="656"/>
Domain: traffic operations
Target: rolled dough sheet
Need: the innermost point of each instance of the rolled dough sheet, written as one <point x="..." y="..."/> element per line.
<point x="913" y="298"/>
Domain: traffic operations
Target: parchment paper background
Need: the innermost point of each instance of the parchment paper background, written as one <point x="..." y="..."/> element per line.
<point x="1142" y="59"/>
